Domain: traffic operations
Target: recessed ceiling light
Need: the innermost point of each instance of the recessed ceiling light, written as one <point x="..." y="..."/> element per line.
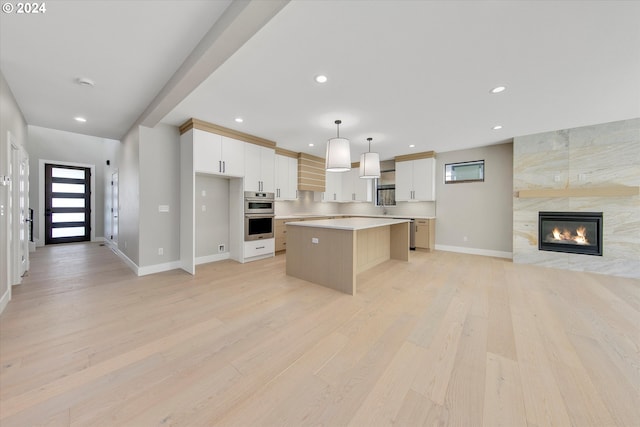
<point x="311" y="144"/>
<point x="321" y="78"/>
<point x="80" y="119"/>
<point x="83" y="81"/>
<point x="239" y="119"/>
<point x="412" y="146"/>
<point x="497" y="127"/>
<point x="498" y="89"/>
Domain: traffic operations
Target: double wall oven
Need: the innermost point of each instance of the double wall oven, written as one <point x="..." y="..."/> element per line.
<point x="258" y="215"/>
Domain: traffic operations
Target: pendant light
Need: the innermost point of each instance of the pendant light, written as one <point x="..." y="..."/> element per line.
<point x="338" y="153"/>
<point x="369" y="163"/>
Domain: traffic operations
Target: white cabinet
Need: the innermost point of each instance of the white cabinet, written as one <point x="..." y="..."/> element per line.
<point x="286" y="178"/>
<point x="217" y="154"/>
<point x="259" y="168"/>
<point x="345" y="187"/>
<point x="415" y="180"/>
<point x="259" y="248"/>
<point x="359" y="189"/>
<point x="333" y="187"/>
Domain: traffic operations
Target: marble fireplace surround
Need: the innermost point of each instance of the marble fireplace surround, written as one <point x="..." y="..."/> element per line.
<point x="587" y="169"/>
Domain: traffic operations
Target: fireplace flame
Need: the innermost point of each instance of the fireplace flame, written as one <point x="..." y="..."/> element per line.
<point x="579" y="238"/>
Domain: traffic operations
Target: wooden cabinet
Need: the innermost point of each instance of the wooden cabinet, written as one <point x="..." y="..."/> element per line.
<point x="280" y="233"/>
<point x="415" y="180"/>
<point x="259" y="168"/>
<point x="216" y="154"/>
<point x="286" y="178"/>
<point x="425" y="234"/>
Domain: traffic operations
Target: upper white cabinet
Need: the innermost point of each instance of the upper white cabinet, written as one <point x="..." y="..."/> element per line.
<point x="286" y="176"/>
<point x="415" y="180"/>
<point x="259" y="168"/>
<point x="360" y="188"/>
<point x="345" y="187"/>
<point x="333" y="188"/>
<point x="217" y="154"/>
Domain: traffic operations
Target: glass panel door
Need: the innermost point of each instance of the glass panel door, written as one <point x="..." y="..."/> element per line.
<point x="67" y="204"/>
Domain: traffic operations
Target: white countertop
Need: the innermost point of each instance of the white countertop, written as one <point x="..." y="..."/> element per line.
<point x="349" y="223"/>
<point x="298" y="216"/>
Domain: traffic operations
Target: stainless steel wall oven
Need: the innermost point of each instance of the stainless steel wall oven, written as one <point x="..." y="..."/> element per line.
<point x="259" y="215"/>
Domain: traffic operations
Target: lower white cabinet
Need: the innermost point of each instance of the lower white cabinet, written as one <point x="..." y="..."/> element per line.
<point x="261" y="248"/>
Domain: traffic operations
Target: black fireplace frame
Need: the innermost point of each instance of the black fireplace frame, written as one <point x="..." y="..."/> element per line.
<point x="593" y="217"/>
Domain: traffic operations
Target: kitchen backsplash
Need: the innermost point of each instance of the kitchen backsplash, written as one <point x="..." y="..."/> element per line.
<point x="306" y="205"/>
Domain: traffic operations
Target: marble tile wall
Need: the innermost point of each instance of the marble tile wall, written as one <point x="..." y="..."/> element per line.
<point x="592" y="156"/>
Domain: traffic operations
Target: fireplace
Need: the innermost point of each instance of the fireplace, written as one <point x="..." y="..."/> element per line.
<point x="570" y="232"/>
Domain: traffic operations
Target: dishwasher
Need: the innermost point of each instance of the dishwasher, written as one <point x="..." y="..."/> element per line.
<point x="412" y="233"/>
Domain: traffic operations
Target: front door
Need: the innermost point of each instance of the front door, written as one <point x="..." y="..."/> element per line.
<point x="67" y="214"/>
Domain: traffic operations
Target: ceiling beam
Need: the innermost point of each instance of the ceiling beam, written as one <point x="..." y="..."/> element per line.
<point x="239" y="22"/>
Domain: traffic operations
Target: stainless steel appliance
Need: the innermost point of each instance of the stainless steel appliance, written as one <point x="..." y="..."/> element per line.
<point x="257" y="203"/>
<point x="258" y="215"/>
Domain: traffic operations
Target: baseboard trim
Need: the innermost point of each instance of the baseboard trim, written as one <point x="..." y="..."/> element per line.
<point x="475" y="251"/>
<point x="132" y="265"/>
<point x="212" y="258"/>
<point x="5" y="299"/>
<point x="158" y="268"/>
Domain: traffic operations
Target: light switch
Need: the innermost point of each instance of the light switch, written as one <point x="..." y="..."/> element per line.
<point x="204" y="193"/>
<point x="315" y="240"/>
<point x="204" y="208"/>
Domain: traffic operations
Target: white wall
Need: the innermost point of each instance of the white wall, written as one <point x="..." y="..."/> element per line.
<point x="159" y="180"/>
<point x="11" y="120"/>
<point x="129" y="190"/>
<point x="479" y="211"/>
<point x="212" y="224"/>
<point x="67" y="147"/>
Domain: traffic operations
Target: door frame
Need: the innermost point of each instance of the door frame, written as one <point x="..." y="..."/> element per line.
<point x="19" y="248"/>
<point x="41" y="204"/>
<point x="115" y="208"/>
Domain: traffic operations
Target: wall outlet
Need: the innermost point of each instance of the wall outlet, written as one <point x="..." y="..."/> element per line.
<point x="160" y="251"/>
<point x="220" y="248"/>
<point x="315" y="240"/>
<point x="163" y="208"/>
<point x="204" y="193"/>
<point x="204" y="208"/>
<point x="465" y="238"/>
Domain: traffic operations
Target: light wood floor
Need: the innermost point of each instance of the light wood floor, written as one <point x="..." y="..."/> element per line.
<point x="446" y="339"/>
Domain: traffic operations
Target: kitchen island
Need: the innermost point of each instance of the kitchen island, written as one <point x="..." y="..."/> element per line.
<point x="332" y="252"/>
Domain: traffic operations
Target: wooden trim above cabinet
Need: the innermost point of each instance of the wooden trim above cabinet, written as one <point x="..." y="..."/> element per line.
<point x="311" y="173"/>
<point x="230" y="133"/>
<point x="287" y="153"/>
<point x="416" y="156"/>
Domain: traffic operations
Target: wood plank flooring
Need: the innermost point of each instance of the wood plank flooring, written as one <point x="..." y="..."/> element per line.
<point x="444" y="340"/>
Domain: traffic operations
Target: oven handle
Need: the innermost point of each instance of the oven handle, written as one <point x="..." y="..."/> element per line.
<point x="259" y="215"/>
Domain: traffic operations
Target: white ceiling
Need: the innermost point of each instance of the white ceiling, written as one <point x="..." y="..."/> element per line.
<point x="402" y="72"/>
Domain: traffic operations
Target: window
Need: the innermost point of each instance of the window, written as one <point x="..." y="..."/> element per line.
<point x="386" y="188"/>
<point x="464" y="172"/>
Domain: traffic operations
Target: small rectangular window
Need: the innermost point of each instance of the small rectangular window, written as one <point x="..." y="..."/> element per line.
<point x="464" y="172"/>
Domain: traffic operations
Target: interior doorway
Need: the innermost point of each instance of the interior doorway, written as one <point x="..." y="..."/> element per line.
<point x="67" y="204"/>
<point x="114" y="208"/>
